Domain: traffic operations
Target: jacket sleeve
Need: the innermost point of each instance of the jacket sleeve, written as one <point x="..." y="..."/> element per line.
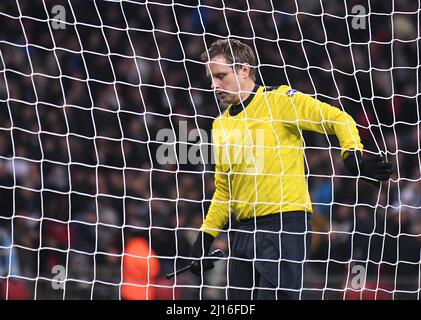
<point x="311" y="114"/>
<point x="219" y="209"/>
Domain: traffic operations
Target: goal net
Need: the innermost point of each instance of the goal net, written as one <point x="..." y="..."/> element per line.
<point x="106" y="170"/>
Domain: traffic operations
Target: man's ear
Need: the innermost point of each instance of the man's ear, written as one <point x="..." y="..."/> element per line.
<point x="245" y="71"/>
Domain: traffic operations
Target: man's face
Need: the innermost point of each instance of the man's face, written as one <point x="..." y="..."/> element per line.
<point x="226" y="81"/>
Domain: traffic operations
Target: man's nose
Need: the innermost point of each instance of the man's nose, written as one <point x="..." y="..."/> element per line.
<point x="215" y="85"/>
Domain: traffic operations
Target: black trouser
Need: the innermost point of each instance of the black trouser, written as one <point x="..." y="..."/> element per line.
<point x="267" y="255"/>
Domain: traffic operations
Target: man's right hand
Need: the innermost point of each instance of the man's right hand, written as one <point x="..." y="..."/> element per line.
<point x="201" y="249"/>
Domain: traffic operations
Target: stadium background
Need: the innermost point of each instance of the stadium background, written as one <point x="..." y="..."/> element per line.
<point x="78" y="138"/>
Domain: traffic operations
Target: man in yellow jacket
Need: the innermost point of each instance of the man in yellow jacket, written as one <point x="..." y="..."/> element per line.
<point x="259" y="174"/>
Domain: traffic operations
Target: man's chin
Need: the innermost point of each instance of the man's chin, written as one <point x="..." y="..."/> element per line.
<point x="225" y="98"/>
<point x="223" y="103"/>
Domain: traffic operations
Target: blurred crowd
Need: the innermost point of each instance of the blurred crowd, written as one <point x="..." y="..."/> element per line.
<point x="82" y="104"/>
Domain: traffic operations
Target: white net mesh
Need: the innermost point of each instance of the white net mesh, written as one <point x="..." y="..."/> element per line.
<point x="105" y="148"/>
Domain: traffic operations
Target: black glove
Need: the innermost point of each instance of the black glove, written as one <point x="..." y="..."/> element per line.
<point x="201" y="249"/>
<point x="375" y="167"/>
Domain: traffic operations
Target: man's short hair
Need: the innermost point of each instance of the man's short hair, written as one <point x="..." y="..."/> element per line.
<point x="235" y="52"/>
